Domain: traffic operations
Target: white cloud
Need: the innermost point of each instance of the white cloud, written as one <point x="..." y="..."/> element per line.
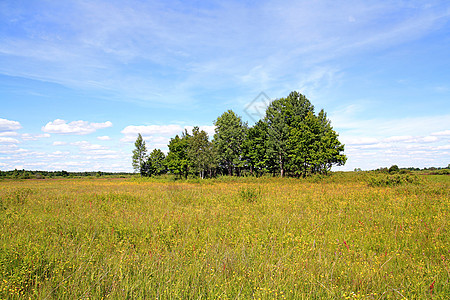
<point x="429" y="139"/>
<point x="400" y="138"/>
<point x="360" y="141"/>
<point x="7" y="125"/>
<point x="150" y="130"/>
<point x="10" y="149"/>
<point x="444" y="147"/>
<point x="59" y="143"/>
<point x="442" y="133"/>
<point x="75" y="127"/>
<point x="158" y="136"/>
<point x="34" y="137"/>
<point x="8" y="140"/>
<point x="9" y="133"/>
<point x="101" y="152"/>
<point x="103" y="138"/>
<point x="84" y="145"/>
<point x="404" y="151"/>
<point x="58" y="153"/>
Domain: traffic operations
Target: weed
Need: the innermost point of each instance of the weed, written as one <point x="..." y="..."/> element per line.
<point x="250" y="194"/>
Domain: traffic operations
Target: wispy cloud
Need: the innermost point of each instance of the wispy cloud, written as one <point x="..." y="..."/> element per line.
<point x="97" y="45"/>
<point x="187" y="57"/>
<point x="158" y="136"/>
<point x="75" y="127"/>
<point x="103" y="138"/>
<point x="8" y="140"/>
<point x="34" y="137"/>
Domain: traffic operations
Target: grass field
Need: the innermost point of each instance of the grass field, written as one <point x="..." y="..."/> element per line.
<point x="228" y="238"/>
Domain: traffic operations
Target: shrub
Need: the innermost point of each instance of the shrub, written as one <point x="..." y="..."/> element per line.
<point x="250" y="194"/>
<point x="393" y="180"/>
<point x="393" y="169"/>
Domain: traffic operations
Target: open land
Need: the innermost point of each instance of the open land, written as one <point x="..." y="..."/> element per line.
<point x="228" y="238"/>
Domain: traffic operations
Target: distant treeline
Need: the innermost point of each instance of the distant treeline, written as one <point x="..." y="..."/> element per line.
<point x="28" y="174"/>
<point x="394" y="169"/>
<point x="290" y="140"/>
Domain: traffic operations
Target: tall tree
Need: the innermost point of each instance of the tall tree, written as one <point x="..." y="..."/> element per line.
<point x="177" y="159"/>
<point x="254" y="148"/>
<point x="200" y="152"/>
<point x="228" y="140"/>
<point x="332" y="151"/>
<point x="280" y="115"/>
<point x="313" y="146"/>
<point x="139" y="155"/>
<point x="155" y="164"/>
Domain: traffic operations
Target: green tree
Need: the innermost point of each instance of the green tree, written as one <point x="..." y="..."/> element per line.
<point x="139" y="155"/>
<point x="228" y="141"/>
<point x="394" y="169"/>
<point x="281" y="114"/>
<point x="200" y="152"/>
<point x="177" y="159"/>
<point x="254" y="148"/>
<point x="313" y="145"/>
<point x="155" y="164"/>
<point x="331" y="151"/>
<point x="298" y="141"/>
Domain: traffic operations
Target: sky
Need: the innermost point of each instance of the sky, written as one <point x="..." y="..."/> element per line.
<point x="80" y="79"/>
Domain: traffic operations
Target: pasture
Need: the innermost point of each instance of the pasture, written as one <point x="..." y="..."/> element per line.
<point x="227" y="238"/>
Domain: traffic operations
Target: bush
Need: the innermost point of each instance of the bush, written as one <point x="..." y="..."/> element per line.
<point x="393" y="169"/>
<point x="250" y="194"/>
<point x="393" y="180"/>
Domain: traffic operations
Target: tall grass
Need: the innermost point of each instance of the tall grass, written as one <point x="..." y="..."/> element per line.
<point x="334" y="237"/>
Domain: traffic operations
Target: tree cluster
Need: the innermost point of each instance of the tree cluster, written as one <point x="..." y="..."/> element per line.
<point x="290" y="140"/>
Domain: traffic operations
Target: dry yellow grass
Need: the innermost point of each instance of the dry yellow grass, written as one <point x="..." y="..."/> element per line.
<point x="245" y="238"/>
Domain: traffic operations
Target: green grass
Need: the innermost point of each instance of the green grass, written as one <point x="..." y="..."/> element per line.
<point x="269" y="238"/>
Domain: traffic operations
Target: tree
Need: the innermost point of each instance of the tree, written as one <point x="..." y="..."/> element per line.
<point x="313" y="145"/>
<point x="228" y="140"/>
<point x="177" y="159"/>
<point x="155" y="164"/>
<point x="280" y="116"/>
<point x="331" y="150"/>
<point x="254" y="148"/>
<point x="200" y="152"/>
<point x="139" y="155"/>
<point x="394" y="169"/>
<point x="300" y="142"/>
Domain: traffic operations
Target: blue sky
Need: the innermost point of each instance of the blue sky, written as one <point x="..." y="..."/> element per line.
<point x="80" y="79"/>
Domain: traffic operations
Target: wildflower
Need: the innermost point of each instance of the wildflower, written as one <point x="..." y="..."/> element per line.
<point x="345" y="243"/>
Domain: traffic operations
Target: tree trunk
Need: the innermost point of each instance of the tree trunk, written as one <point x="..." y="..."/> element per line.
<point x="281" y="166"/>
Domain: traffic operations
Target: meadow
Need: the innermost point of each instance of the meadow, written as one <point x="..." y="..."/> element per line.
<point x="346" y="236"/>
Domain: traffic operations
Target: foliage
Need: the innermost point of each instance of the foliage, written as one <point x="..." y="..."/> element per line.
<point x="228" y="140"/>
<point x="250" y="194"/>
<point x="393" y="180"/>
<point x="255" y="149"/>
<point x="155" y="163"/>
<point x="291" y="139"/>
<point x="393" y="169"/>
<point x="177" y="160"/>
<point x="139" y="155"/>
<point x="201" y="153"/>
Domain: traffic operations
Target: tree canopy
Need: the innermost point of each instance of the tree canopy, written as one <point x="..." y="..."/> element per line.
<point x="289" y="140"/>
<point x="229" y="139"/>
